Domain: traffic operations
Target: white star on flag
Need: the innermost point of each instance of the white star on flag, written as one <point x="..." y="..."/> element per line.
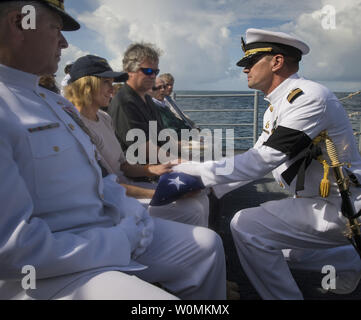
<point x="177" y="182"/>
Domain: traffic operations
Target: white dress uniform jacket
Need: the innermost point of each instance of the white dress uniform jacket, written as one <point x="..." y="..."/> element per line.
<point x="51" y="198"/>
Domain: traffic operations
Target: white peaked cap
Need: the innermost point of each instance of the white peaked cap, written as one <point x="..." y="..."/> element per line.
<point x="260" y="41"/>
<point x="259" y="35"/>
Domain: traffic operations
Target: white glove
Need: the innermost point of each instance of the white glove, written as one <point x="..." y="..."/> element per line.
<point x="192" y="168"/>
<point x="147" y="226"/>
<point x="132" y="230"/>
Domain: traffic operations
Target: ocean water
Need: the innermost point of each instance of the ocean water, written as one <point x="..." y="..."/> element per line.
<point x="352" y="106"/>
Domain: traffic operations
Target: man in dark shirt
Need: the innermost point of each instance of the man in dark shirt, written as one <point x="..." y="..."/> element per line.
<point x="132" y="107"/>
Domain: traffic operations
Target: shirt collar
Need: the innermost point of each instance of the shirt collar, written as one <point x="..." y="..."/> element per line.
<point x="281" y="90"/>
<point x="159" y="103"/>
<point x="18" y="78"/>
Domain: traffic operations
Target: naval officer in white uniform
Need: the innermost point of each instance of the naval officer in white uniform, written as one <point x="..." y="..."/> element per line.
<point x="299" y="111"/>
<point x="65" y="231"/>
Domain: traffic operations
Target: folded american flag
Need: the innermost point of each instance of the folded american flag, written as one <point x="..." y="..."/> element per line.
<point x="172" y="186"/>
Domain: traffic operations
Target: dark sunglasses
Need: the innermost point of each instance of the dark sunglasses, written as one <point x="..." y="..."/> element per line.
<point x="159" y="87"/>
<point x="252" y="61"/>
<point x="149" y="71"/>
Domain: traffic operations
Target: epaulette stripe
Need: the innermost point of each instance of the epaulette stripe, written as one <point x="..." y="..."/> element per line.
<point x="294" y="95"/>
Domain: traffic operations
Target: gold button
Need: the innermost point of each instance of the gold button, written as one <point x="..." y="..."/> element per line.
<point x="282" y="185"/>
<point x="56" y="149"/>
<point x="271" y="108"/>
<point x="71" y="126"/>
<point x="42" y="95"/>
<point x="267" y="125"/>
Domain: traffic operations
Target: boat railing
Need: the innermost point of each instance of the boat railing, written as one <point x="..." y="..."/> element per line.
<point x="255" y="111"/>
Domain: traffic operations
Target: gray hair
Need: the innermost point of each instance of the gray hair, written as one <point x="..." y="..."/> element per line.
<point x="167" y="77"/>
<point x="137" y="53"/>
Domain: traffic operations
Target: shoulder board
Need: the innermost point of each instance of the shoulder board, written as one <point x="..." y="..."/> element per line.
<point x="294" y="95"/>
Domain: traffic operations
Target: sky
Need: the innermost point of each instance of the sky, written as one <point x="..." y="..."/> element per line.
<point x="200" y="40"/>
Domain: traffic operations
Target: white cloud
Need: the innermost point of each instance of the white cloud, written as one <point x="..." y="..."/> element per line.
<point x="201" y="39"/>
<point x="193" y="38"/>
<point x="334" y="56"/>
<point x="272" y="10"/>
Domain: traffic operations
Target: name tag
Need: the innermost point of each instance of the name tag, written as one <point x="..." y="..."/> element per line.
<point x="42" y="128"/>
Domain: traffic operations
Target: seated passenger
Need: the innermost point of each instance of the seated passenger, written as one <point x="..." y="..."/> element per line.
<point x="168" y="117"/>
<point x="170" y="100"/>
<point x="133" y="107"/>
<point x="90" y="90"/>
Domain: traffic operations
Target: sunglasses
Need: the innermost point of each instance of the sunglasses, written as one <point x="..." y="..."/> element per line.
<point x="159" y="87"/>
<point x="252" y="61"/>
<point x="149" y="71"/>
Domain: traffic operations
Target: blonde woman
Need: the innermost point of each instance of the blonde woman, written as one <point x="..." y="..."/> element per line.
<point x="89" y="89"/>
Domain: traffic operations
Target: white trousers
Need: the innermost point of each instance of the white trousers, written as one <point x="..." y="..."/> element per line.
<point x="112" y="285"/>
<point x="343" y="258"/>
<point x="187" y="261"/>
<point x="260" y="234"/>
